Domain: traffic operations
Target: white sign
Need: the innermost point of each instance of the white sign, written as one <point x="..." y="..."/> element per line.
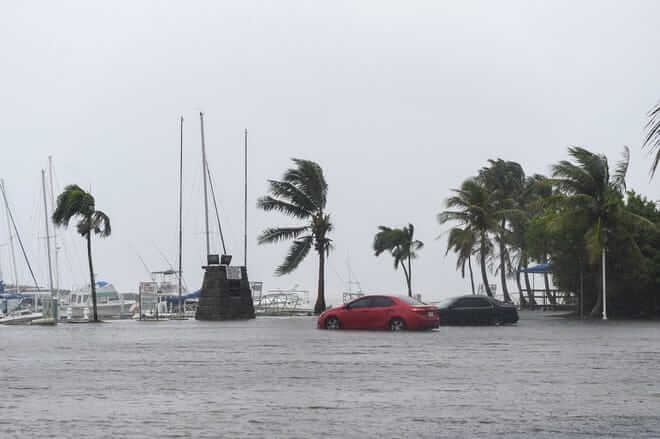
<point x="234" y="273"/>
<point x="148" y="287"/>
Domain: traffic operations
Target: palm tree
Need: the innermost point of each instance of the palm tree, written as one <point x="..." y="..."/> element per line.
<point x="74" y="202"/>
<point x="527" y="203"/>
<point x="402" y="245"/>
<point x="594" y="196"/>
<point x="300" y="194"/>
<point x="473" y="208"/>
<point x="462" y="242"/>
<point x="505" y="181"/>
<point x="652" y="138"/>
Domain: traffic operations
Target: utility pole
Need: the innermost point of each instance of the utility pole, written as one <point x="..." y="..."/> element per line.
<point x="604" y="287"/>
<point x="180" y="214"/>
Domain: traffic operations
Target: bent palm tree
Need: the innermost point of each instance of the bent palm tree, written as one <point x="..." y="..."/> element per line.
<point x="504" y="180"/>
<point x="402" y="246"/>
<point x="528" y="204"/>
<point x="473" y="208"/>
<point x="75" y="202"/>
<point x="462" y="242"/>
<point x="596" y="197"/>
<point x="300" y="194"/>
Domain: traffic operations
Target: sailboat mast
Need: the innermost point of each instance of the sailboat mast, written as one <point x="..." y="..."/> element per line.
<point x="217" y="215"/>
<point x="180" y="211"/>
<point x="18" y="237"/>
<point x="52" y="209"/>
<point x="245" y="203"/>
<point x="11" y="238"/>
<point x="50" y="268"/>
<point x="206" y="197"/>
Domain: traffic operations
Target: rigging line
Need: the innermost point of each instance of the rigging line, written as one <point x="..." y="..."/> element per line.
<point x="163" y="256"/>
<point x="144" y="264"/>
<point x="335" y="270"/>
<point x="215" y="204"/>
<point x="18" y="236"/>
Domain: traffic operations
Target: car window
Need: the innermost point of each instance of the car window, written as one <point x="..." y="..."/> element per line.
<point x="473" y="302"/>
<point x="364" y="302"/>
<point x="444" y="303"/>
<point x="460" y="303"/>
<point x="495" y="301"/>
<point x="381" y="302"/>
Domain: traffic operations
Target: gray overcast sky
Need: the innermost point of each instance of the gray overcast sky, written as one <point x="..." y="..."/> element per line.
<point x="398" y="101"/>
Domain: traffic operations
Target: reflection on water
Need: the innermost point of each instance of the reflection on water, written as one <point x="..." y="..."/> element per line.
<point x="280" y="377"/>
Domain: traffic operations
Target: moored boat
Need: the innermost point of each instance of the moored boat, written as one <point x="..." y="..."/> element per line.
<point x="20" y="317"/>
<point x="109" y="303"/>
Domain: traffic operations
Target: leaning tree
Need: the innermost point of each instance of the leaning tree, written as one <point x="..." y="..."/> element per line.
<point x="302" y="195"/>
<point x="403" y="247"/>
<point x="74" y="202"/>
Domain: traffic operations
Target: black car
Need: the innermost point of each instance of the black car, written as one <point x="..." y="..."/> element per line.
<point x="475" y="310"/>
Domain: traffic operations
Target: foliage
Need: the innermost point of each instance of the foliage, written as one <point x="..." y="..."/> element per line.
<point x="463" y="243"/>
<point x="402" y="246"/>
<point x="567" y="220"/>
<point x="301" y="194"/>
<point x="72" y="203"/>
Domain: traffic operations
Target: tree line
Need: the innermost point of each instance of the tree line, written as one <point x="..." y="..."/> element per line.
<point x="581" y="220"/>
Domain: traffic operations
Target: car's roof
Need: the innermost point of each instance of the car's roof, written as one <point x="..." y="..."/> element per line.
<point x="488" y="298"/>
<point x="376" y="295"/>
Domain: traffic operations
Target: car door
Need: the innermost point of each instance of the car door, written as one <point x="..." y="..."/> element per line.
<point x="483" y="309"/>
<point x="460" y="312"/>
<point x="356" y="314"/>
<point x="381" y="312"/>
<point x="471" y="310"/>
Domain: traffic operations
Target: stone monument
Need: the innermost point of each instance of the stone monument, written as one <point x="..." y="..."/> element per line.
<point x="226" y="293"/>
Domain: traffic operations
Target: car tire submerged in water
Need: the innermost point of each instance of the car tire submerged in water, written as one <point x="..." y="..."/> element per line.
<point x="397" y="324"/>
<point x="332" y="322"/>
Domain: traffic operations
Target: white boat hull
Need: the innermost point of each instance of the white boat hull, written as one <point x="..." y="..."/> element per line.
<point x="20" y="318"/>
<point x="104" y="311"/>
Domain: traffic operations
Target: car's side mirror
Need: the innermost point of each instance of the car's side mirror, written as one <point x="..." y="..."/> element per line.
<point x="347" y="307"/>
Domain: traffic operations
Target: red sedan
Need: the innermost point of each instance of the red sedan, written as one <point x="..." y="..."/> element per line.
<point x="395" y="313"/>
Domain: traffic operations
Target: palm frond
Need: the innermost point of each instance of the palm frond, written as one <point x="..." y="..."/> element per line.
<point x="100" y="224"/>
<point x="652" y="137"/>
<point x="308" y="177"/>
<point x="269" y="203"/>
<point x="277" y="234"/>
<point x="619" y="177"/>
<point x="73" y="201"/>
<point x="447" y="215"/>
<point x="292" y="194"/>
<point x="297" y="253"/>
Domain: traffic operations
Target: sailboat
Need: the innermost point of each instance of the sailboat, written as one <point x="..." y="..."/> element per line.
<point x="48" y="315"/>
<point x="162" y="284"/>
<point x="50" y="306"/>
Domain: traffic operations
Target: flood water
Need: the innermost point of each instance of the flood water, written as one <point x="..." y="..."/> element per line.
<point x="280" y="377"/>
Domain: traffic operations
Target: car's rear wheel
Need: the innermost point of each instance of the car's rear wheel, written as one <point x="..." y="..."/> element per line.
<point x="397" y="324"/>
<point x="332" y="322"/>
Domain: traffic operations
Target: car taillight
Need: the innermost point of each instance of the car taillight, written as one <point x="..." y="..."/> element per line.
<point x="426" y="311"/>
